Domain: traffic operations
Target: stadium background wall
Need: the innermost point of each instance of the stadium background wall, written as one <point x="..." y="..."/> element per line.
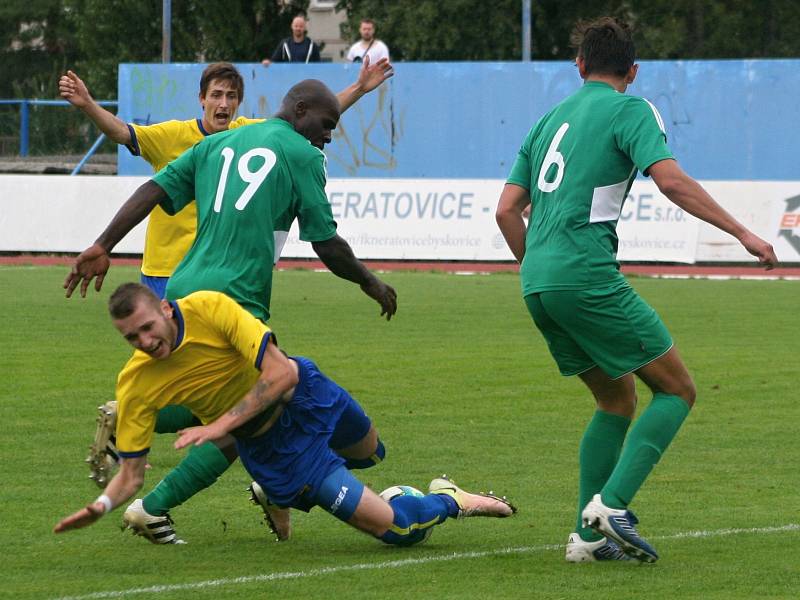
<point x="416" y="168"/>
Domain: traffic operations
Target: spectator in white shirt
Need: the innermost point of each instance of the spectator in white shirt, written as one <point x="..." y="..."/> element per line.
<point x="367" y="45"/>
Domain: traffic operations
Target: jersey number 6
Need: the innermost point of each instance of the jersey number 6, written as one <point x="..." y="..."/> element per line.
<point x="553" y="157"/>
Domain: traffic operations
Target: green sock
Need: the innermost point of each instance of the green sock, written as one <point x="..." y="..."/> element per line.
<point x="600" y="447"/>
<point x="173" y="418"/>
<point x="648" y="440"/>
<point x="199" y="469"/>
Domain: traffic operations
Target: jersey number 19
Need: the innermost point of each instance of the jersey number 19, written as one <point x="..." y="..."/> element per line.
<point x="254" y="179"/>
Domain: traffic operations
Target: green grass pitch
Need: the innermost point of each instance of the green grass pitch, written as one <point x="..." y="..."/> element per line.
<point x="458" y="383"/>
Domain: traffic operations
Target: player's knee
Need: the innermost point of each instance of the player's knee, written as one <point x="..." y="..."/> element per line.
<point x="688" y="392"/>
<point x="377" y="456"/>
<point x="623" y="406"/>
<point x="684" y="388"/>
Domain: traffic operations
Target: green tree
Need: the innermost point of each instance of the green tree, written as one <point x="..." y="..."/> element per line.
<point x="35" y="44"/>
<point x="664" y="29"/>
<point x="433" y="30"/>
<point x="239" y="30"/>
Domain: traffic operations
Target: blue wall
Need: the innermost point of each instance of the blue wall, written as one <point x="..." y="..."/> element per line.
<point x="731" y="120"/>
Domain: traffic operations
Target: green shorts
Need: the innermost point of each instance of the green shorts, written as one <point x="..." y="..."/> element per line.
<point x="612" y="328"/>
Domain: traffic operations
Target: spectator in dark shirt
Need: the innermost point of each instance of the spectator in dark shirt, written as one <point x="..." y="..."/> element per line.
<point x="296" y="48"/>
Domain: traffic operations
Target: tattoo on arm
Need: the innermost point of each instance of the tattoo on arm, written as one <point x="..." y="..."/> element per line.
<point x="256" y="400"/>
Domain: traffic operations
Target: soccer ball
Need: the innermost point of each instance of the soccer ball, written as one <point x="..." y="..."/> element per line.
<point x="405" y="490"/>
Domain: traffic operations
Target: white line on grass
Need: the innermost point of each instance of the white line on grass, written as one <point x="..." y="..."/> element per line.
<point x="397" y="564"/>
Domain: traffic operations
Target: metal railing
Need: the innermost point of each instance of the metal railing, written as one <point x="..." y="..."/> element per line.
<point x="24" y="124"/>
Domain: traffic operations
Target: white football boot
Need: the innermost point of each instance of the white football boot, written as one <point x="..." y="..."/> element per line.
<point x="619" y="525"/>
<point x="579" y="550"/>
<point x="158" y="530"/>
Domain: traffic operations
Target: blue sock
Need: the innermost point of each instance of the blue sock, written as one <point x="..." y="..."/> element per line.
<point x="366" y="463"/>
<point x="414" y="517"/>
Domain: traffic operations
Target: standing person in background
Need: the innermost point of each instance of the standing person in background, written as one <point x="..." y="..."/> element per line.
<point x="296" y="48"/>
<point x="574" y="170"/>
<point x="368" y="45"/>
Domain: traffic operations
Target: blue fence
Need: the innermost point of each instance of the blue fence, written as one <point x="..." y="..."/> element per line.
<point x="24" y="121"/>
<point x="726" y="119"/>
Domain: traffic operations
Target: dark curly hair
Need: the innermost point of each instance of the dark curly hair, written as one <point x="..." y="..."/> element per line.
<point x="605" y="45"/>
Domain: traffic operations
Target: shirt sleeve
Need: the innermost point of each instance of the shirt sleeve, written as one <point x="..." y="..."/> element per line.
<point x="314" y="214"/>
<point x="136" y="416"/>
<point x="177" y="181"/>
<point x="640" y="134"/>
<point x="151" y="141"/>
<point x="521" y="170"/>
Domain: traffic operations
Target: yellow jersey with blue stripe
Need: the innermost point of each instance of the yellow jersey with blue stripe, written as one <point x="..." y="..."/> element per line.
<point x="216" y="361"/>
<point x="168" y="238"/>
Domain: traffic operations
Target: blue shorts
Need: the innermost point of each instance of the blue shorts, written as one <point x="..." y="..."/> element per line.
<point x="157" y="284"/>
<point x="292" y="459"/>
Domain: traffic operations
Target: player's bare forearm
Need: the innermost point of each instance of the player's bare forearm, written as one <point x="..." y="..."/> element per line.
<point x="74" y="90"/>
<point x="338" y="256"/>
<point x="260" y="398"/>
<point x="513" y="229"/>
<point x="274" y="386"/>
<point x="349" y="96"/>
<point x="109" y="124"/>
<point x="513" y="200"/>
<point x="122" y="487"/>
<point x="129" y="480"/>
<point x="370" y="76"/>
<point x="136" y="208"/>
<point x="691" y="197"/>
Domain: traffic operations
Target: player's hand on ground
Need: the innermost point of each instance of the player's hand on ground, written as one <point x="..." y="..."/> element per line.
<point x="197" y="436"/>
<point x="92" y="262"/>
<point x="372" y="75"/>
<point x="84" y="517"/>
<point x="384" y="295"/>
<point x="761" y="249"/>
<point x="73" y="90"/>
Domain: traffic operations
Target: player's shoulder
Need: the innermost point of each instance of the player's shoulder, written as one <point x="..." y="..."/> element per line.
<point x="202" y="298"/>
<point x="171" y="125"/>
<point x="242" y="121"/>
<point x="207" y="305"/>
<point x="639" y="107"/>
<point x="294" y="144"/>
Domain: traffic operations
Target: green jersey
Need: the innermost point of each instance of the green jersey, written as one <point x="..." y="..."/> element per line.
<point x="579" y="162"/>
<point x="248" y="183"/>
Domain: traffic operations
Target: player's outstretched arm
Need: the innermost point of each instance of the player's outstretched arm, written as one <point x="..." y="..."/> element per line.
<point x="274" y="386"/>
<point x="513" y="201"/>
<point x="691" y="197"/>
<point x="369" y="77"/>
<point x="121" y="488"/>
<point x="74" y="91"/>
<point x="338" y="256"/>
<point x="94" y="261"/>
